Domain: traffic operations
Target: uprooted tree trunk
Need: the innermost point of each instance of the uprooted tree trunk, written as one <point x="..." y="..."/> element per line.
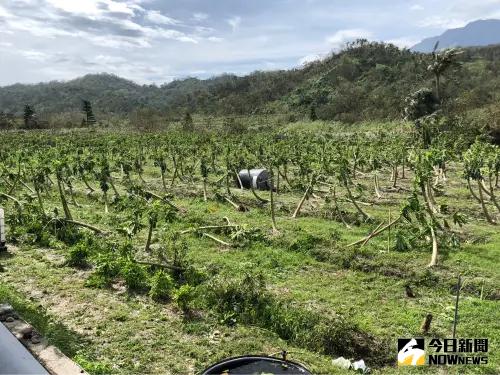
<point x="205" y="189"/>
<point x="218" y="240"/>
<point x="85" y="225"/>
<point x="39" y="198"/>
<point x="380" y="229"/>
<point x="304" y="197"/>
<point x="431" y="209"/>
<point x="238" y="207"/>
<point x="162" y="199"/>
<point x="147" y="247"/>
<point x="86" y="183"/>
<point x="110" y="180"/>
<point x="356" y="205"/>
<point x="492" y="194"/>
<point x="271" y="197"/>
<point x="337" y="208"/>
<point x="64" y="202"/>
<point x="260" y="199"/>
<point x="106" y="203"/>
<point x="72" y="194"/>
<point x="395" y="176"/>
<point x="434" y="257"/>
<point x="206" y="227"/>
<point x="239" y="180"/>
<point x="430" y="196"/>
<point x="10" y="197"/>
<point x="175" y="173"/>
<point x="163" y="182"/>
<point x="375" y="184"/>
<point x="483" y="204"/>
<point x="472" y="191"/>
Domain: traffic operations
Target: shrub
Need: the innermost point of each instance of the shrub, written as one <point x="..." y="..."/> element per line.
<point x="92" y="365"/>
<point x="184" y="297"/>
<point x="243" y="296"/>
<point x="107" y="267"/>
<point x="135" y="275"/>
<point x="247" y="300"/>
<point x="161" y="286"/>
<point x="77" y="255"/>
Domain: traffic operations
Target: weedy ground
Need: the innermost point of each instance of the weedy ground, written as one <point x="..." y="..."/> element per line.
<point x="306" y="264"/>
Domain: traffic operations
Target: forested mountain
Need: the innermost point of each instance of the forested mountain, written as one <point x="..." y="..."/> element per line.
<point x="367" y="80"/>
<point x="477" y="33"/>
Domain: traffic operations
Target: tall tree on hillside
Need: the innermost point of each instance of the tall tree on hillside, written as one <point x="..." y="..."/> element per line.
<point x="421" y="107"/>
<point x="312" y="113"/>
<point x="6" y="120"/>
<point x="187" y="122"/>
<point x="87" y="109"/>
<point x="441" y="62"/>
<point x="29" y="117"/>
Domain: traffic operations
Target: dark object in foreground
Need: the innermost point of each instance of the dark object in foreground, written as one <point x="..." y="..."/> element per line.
<point x="409" y="292"/>
<point x="426" y="324"/>
<point x="256" y="365"/>
<point x="255" y="178"/>
<point x="15" y="358"/>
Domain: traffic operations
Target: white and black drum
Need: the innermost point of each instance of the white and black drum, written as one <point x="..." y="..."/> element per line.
<point x="257" y="179"/>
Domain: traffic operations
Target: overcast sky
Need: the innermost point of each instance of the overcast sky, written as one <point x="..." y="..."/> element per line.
<point x="156" y="41"/>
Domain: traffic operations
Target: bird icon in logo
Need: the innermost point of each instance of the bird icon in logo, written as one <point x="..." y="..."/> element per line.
<point x="411" y="352"/>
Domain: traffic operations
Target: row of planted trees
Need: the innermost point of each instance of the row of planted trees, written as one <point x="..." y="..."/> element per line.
<point x="121" y="204"/>
<point x="340" y="172"/>
<point x="31" y="120"/>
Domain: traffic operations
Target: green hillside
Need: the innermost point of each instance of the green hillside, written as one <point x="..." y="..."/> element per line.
<point x="365" y="81"/>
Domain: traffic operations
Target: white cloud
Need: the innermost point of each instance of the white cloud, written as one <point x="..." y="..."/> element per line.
<point x="200" y="16"/>
<point x="440" y="22"/>
<point x="309" y="59"/>
<point x="458" y="13"/>
<point x="87" y="7"/>
<point x="158" y="18"/>
<point x="124" y="8"/>
<point x="129" y="37"/>
<point x="36" y="28"/>
<point x="234" y="22"/>
<point x="215" y="39"/>
<point x="169" y="34"/>
<point x="34" y="55"/>
<point x="4" y="12"/>
<point x="107" y="59"/>
<point x="204" y="30"/>
<point x="95" y="8"/>
<point x="140" y="72"/>
<point x="341" y="37"/>
<point x="118" y="42"/>
<point x="122" y="33"/>
<point x="404" y="42"/>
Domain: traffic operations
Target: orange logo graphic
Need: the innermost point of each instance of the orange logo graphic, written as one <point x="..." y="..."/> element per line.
<point x="411" y="352"/>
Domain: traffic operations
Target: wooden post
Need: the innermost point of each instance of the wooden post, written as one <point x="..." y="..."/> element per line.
<point x="389" y="233"/>
<point x="455" y="320"/>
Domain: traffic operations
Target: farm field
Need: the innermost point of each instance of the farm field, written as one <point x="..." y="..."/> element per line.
<point x="139" y="253"/>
